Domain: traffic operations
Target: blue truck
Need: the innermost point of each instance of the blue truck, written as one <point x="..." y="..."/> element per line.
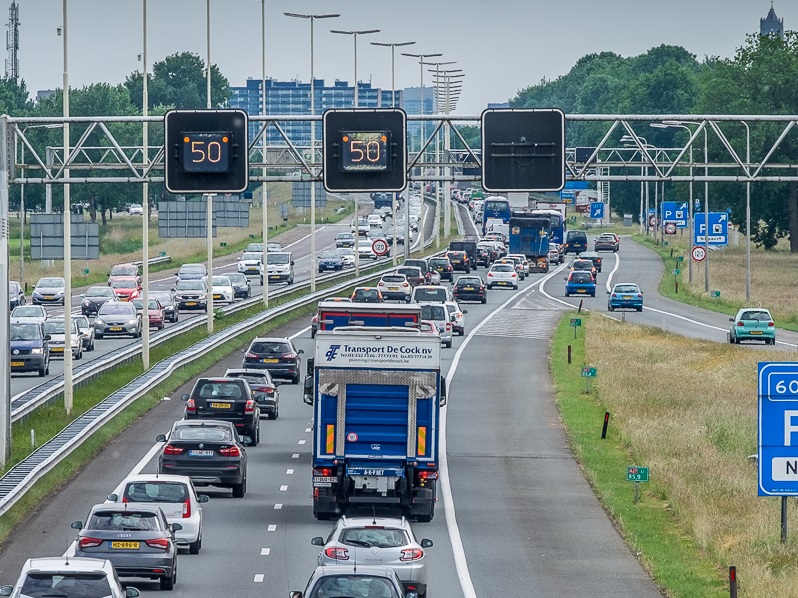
<point x="529" y="235"/>
<point x="376" y="395"/>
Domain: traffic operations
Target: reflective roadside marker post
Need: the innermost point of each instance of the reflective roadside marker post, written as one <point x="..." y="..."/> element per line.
<point x="636" y="474"/>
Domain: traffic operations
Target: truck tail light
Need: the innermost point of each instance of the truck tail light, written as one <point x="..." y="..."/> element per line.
<point x="411" y="554"/>
<point x="161" y="543"/>
<point x="187" y="508"/>
<point x="89" y="542"/>
<point x="230" y="451"/>
<point x="325" y="472"/>
<point x="170" y="449"/>
<point x="337" y="553"/>
<point x="427" y="475"/>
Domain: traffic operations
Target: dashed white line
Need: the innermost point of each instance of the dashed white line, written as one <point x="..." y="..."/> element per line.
<point x="289" y="472"/>
<point x="283" y="488"/>
<point x="295" y="456"/>
<point x="307" y="430"/>
<point x="259" y="578"/>
<point x="265" y="551"/>
<point x="278" y="506"/>
<point x="302" y="442"/>
<point x="271" y="528"/>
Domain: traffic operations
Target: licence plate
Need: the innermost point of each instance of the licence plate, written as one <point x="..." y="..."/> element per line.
<point x="124" y="545"/>
<point x="581" y="291"/>
<point x="626" y="296"/>
<point x="17" y="364"/>
<point x="221" y="405"/>
<point x="275" y="277"/>
<point x="217" y="296"/>
<point x="199" y="453"/>
<point x="115" y="328"/>
<point x="191" y="303"/>
<point x="468" y="288"/>
<point x="270" y="360"/>
<point x="49" y="297"/>
<point x="57" y="349"/>
<point x="756" y="332"/>
<point x="393" y="288"/>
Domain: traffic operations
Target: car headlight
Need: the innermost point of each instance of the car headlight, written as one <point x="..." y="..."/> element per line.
<point x="86" y="302"/>
<point x="59" y="293"/>
<point x="99" y="321"/>
<point x="36" y="351"/>
<point x="132" y="322"/>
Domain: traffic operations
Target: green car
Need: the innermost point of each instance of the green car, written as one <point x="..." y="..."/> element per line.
<point x="752" y="324"/>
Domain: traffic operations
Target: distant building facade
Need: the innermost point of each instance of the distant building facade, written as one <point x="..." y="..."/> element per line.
<point x="771" y="24"/>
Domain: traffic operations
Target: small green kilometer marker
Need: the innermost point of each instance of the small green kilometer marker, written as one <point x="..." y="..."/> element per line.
<point x="636" y="474"/>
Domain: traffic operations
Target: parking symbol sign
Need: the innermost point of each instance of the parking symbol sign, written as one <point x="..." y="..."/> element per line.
<point x="778" y="429"/>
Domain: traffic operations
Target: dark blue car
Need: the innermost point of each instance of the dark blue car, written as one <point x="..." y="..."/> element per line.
<point x="30" y="348"/>
<point x="580" y="282"/>
<point x="330" y="261"/>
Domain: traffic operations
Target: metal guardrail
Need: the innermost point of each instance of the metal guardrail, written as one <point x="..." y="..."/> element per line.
<point x="163" y="259"/>
<point x="25" y="474"/>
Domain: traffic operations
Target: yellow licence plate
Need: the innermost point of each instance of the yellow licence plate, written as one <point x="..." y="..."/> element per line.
<point x="17" y="364"/>
<point x="57" y="349"/>
<point x="190" y="303"/>
<point x="756" y="332"/>
<point x="270" y="360"/>
<point x="220" y="405"/>
<point x="125" y="545"/>
<point x="115" y="328"/>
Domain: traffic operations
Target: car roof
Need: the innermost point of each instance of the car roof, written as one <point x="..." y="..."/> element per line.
<point x="373" y="570"/>
<point x="272" y="339"/>
<point x="128" y="506"/>
<point x="156" y="477"/>
<point x="349" y="522"/>
<point x="202" y="423"/>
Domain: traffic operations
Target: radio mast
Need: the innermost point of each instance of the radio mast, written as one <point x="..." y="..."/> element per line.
<point x="12" y="42"/>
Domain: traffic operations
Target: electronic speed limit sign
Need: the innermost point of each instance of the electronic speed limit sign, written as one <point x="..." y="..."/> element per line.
<point x="379" y="246"/>
<point x="699" y="253"/>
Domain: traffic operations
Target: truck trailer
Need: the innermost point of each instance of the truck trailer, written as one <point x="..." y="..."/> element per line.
<point x="529" y="234"/>
<point x="376" y="396"/>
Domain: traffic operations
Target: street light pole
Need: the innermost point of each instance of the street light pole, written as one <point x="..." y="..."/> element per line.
<point x="264" y="196"/>
<point x="448" y="74"/>
<point x="67" y="212"/>
<point x="394" y="202"/>
<point x="209" y="202"/>
<point x="312" y="18"/>
<point x="145" y="199"/>
<point x="747" y="213"/>
<point x="421" y="111"/>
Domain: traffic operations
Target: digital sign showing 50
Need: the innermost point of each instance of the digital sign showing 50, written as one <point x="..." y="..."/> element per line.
<point x="365" y="151"/>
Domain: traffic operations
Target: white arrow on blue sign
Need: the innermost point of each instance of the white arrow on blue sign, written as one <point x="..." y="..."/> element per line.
<point x="597" y="210"/>
<point x="718" y="229"/>
<point x="676" y="212"/>
<point x="778" y="428"/>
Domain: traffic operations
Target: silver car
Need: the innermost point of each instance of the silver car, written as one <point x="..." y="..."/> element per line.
<point x="117" y="318"/>
<point x="49" y="290"/>
<point x="56" y="329"/>
<point x="388" y="542"/>
<point x="135" y="537"/>
<point x="437" y="313"/>
<point x="502" y="275"/>
<point x="86" y="332"/>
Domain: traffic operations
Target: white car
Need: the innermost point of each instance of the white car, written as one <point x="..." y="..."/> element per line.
<point x="28" y="314"/>
<point x="56" y="329"/>
<point x="364" y="249"/>
<point x="436" y="313"/>
<point x="502" y="275"/>
<point x="347" y="256"/>
<point x="135" y="209"/>
<point x="524" y="261"/>
<point x="361" y="227"/>
<point x="68" y="576"/>
<point x="374" y="220"/>
<point x="395" y="286"/>
<point x="457" y="317"/>
<point x="223" y="289"/>
<point x="249" y="263"/>
<point x="176" y="496"/>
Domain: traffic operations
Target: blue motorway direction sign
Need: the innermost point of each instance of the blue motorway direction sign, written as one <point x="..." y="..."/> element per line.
<point x="568" y="196"/>
<point x="718" y="228"/>
<point x="597" y="210"/>
<point x="778" y="428"/>
<point x="676" y="212"/>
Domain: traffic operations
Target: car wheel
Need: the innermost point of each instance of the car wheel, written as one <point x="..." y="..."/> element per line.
<point x="239" y="490"/>
<point x="515" y="287"/>
<point x="610" y="307"/>
<point x="42" y="372"/>
<point x="484" y="300"/>
<point x="592" y="294"/>
<point x="640" y="308"/>
<point x="448" y="345"/>
<point x="736" y="341"/>
<point x="168" y="583"/>
<point x="194" y="547"/>
<point x="176" y="318"/>
<point x="276" y="413"/>
<point x="256" y="436"/>
<point x="295" y="379"/>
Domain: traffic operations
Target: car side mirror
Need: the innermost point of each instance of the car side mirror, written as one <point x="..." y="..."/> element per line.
<point x="426" y="543"/>
<point x="731" y="319"/>
<point x="113" y="497"/>
<point x="6" y="590"/>
<point x="307" y="395"/>
<point x="184" y="397"/>
<point x="160" y="438"/>
<point x="246" y="440"/>
<point x="300" y="351"/>
<point x="47" y="337"/>
<point x="176" y="527"/>
<point x="317" y="541"/>
<point x="78" y="525"/>
<point x="131" y="592"/>
<point x="203" y="498"/>
<point x="608" y="292"/>
<point x="173" y="290"/>
<point x="295" y="594"/>
<point x="465" y="311"/>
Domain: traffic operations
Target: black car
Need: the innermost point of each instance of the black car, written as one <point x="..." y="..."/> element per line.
<point x="278" y="355"/>
<point x="486" y="254"/>
<point x="470" y="288"/>
<point x="30" y="348"/>
<point x="209" y="452"/>
<point x="593" y="257"/>
<point x="16" y="295"/>
<point x="423" y="265"/>
<point x="459" y="260"/>
<point x="94" y="298"/>
<point x="168" y="302"/>
<point x="225" y="399"/>
<point x="264" y="389"/>
<point x="345" y="240"/>
<point x="241" y="287"/>
<point x="443" y="266"/>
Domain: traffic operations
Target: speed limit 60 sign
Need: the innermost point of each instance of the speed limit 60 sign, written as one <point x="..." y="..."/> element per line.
<point x="379" y="246"/>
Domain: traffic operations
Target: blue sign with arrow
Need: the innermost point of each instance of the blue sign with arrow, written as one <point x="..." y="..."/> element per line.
<point x="597" y="210"/>
<point x="718" y="229"/>
<point x="778" y="429"/>
<point x="676" y="212"/>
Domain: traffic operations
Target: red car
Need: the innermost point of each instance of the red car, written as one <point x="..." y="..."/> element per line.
<point x="155" y="312"/>
<point x="126" y="288"/>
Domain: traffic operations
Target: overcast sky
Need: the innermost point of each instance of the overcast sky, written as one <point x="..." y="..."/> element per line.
<point x="502" y="45"/>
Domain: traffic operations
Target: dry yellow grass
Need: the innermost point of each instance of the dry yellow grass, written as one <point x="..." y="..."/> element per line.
<point x="688" y="409"/>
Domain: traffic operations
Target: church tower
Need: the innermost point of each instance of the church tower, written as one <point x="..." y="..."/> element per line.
<point x="771" y="24"/>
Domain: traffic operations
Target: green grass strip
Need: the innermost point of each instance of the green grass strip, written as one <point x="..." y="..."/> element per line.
<point x="662" y="543"/>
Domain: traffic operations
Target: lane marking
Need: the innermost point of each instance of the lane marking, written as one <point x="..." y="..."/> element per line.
<point x="289" y="472"/>
<point x="307" y="429"/>
<point x="271" y="528"/>
<point x="283" y="488"/>
<point x="278" y="506"/>
<point x="259" y="578"/>
<point x="144" y="460"/>
<point x="302" y="442"/>
<point x="265" y="551"/>
<point x="295" y="456"/>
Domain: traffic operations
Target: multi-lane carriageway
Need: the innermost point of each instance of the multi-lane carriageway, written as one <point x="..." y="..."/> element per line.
<point x="515" y="516"/>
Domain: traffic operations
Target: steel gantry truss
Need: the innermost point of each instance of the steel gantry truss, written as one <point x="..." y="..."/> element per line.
<point x="714" y="150"/>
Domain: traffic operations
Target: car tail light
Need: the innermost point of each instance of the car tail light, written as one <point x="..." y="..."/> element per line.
<point x="161" y="543"/>
<point x="513" y="275"/>
<point x="614" y="296"/>
<point x="640" y="295"/>
<point x="337" y="553"/>
<point x="448" y="325"/>
<point x="771" y="323"/>
<point x="191" y="406"/>
<point x="490" y="274"/>
<point x="411" y="554"/>
<point x="187" y="508"/>
<point x="251" y="355"/>
<point x="89" y="542"/>
<point x="289" y="355"/>
<point x="249" y="408"/>
<point x="380" y="284"/>
<point x="269" y="390"/>
<point x="171" y="449"/>
<point x="404" y="284"/>
<point x="740" y="323"/>
<point x="230" y="451"/>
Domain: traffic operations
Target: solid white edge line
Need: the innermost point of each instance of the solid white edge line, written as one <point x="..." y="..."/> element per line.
<point x="460" y="561"/>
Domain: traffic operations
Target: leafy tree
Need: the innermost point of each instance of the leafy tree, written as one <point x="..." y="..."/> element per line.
<point x="14" y="99"/>
<point x="178" y="81"/>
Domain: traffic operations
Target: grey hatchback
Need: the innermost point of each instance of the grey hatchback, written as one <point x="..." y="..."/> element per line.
<point x="135" y="537"/>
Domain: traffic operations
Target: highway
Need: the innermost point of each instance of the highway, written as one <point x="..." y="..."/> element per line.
<point x="515" y="516"/>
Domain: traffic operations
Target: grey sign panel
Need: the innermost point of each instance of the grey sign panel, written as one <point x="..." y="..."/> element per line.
<point x="231" y="213"/>
<point x="183" y="220"/>
<point x="47" y="237"/>
<point x="300" y="194"/>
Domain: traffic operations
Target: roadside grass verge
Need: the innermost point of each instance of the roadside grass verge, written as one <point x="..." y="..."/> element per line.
<point x="773" y="278"/>
<point x="687" y="410"/>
